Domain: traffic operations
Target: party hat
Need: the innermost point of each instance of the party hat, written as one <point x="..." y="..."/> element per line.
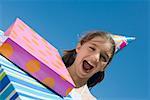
<point x="1" y="32"/>
<point x="121" y="41"/>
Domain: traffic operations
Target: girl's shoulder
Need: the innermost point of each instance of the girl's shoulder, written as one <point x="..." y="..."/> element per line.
<point x="82" y="93"/>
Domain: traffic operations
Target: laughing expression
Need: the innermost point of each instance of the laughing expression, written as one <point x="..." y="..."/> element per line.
<point x="92" y="57"/>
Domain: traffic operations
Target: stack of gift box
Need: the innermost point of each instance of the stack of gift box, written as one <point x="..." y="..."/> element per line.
<point x="30" y="67"/>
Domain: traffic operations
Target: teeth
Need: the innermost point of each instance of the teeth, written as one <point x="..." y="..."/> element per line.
<point x="90" y="63"/>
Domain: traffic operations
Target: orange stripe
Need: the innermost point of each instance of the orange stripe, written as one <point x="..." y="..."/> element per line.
<point x="32" y="30"/>
<point x="55" y="65"/>
<point x="47" y="47"/>
<point x="14" y="37"/>
<point x="30" y="47"/>
<point x="63" y="77"/>
<point x="58" y="57"/>
<point x="34" y="36"/>
<point x="44" y="60"/>
<point x="59" y="62"/>
<point x="41" y="52"/>
<point x="49" y="53"/>
<point x="14" y="33"/>
<point x="68" y="75"/>
<point x="44" y="40"/>
<point x="26" y="39"/>
<point x="21" y="27"/>
<point x="35" y="42"/>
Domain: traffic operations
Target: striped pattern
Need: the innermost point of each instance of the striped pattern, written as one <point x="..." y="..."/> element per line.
<point x="16" y="84"/>
<point x="121" y="41"/>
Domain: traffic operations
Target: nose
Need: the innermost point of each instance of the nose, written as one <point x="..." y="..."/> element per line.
<point x="95" y="58"/>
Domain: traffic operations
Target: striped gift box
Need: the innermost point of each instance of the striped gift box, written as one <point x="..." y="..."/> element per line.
<point x="16" y="84"/>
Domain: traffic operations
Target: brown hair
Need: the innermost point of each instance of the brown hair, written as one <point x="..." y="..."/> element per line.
<point x="70" y="55"/>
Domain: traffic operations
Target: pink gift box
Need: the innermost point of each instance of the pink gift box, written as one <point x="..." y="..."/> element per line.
<point x="36" y="56"/>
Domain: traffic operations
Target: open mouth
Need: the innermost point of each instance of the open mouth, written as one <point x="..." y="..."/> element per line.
<point x="87" y="66"/>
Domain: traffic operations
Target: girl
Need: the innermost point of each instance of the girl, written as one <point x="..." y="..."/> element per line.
<point x="87" y="62"/>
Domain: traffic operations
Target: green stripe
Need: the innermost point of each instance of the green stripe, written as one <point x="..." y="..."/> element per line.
<point x="2" y="75"/>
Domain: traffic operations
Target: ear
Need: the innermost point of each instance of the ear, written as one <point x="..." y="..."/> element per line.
<point x="78" y="47"/>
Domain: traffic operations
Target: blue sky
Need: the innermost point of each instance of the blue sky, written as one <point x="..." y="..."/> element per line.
<point x="62" y="22"/>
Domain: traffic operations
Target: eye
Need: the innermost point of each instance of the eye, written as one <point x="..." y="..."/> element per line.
<point x="93" y="49"/>
<point x="103" y="58"/>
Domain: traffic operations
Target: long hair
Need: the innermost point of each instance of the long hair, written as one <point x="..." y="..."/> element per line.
<point x="70" y="55"/>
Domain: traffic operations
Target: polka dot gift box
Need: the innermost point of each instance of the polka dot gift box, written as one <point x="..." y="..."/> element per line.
<point x="15" y="84"/>
<point x="33" y="54"/>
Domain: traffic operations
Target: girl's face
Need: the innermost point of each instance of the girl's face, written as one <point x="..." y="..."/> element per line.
<point x="92" y="57"/>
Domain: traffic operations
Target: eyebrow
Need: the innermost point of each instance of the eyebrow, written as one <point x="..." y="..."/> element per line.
<point x="94" y="44"/>
<point x="98" y="41"/>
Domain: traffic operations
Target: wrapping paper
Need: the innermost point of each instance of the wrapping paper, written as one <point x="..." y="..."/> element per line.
<point x="29" y="51"/>
<point x="16" y="84"/>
